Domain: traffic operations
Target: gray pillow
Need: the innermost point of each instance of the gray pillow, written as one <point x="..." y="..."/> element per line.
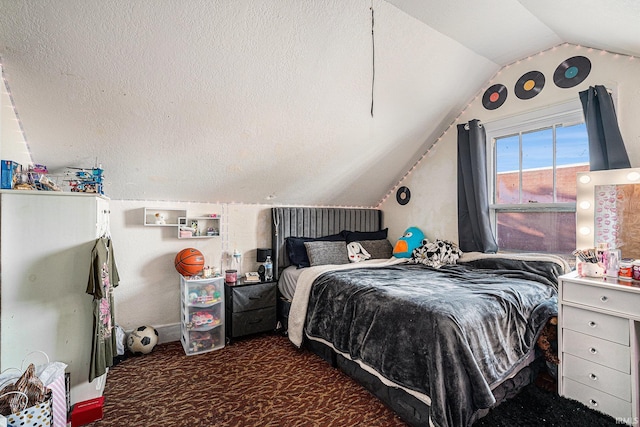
<point x="378" y="249"/>
<point x="321" y="253"/>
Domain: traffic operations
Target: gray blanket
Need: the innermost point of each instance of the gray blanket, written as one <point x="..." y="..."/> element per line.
<point x="452" y="333"/>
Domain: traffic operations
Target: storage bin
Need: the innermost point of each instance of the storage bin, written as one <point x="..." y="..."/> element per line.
<point x="87" y="412"/>
<point x="9" y="174"/>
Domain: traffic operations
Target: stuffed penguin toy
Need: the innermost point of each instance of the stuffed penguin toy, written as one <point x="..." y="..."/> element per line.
<point x="411" y="239"/>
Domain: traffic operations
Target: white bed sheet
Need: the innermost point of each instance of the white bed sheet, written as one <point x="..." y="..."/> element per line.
<point x="287" y="281"/>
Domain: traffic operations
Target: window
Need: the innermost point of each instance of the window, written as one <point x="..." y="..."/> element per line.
<point x="534" y="161"/>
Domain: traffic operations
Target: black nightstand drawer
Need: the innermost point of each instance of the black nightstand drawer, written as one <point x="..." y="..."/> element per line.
<point x="251" y="297"/>
<point x="251" y="322"/>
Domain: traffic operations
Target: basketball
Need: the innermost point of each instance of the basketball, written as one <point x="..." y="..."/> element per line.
<point x="189" y="262"/>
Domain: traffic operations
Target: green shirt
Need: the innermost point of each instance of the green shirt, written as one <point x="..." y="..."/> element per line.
<point x="103" y="278"/>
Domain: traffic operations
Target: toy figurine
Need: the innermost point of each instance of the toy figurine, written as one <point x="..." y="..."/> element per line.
<point x="193" y="297"/>
<point x="160" y="219"/>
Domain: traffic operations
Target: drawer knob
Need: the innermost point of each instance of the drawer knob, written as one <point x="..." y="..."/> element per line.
<point x="593" y="402"/>
<point x="592" y="324"/>
<point x="604" y="298"/>
<point x="593" y="377"/>
<point x="593" y="350"/>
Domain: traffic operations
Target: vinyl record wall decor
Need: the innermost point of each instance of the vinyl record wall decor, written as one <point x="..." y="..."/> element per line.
<point x="494" y="97"/>
<point x="571" y="72"/>
<point x="529" y="85"/>
<point x="403" y="195"/>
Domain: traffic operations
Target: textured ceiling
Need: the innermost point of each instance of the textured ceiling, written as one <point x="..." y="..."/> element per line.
<point x="270" y="101"/>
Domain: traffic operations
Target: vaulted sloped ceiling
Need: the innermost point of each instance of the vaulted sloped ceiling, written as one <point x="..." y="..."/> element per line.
<point x="270" y="101"/>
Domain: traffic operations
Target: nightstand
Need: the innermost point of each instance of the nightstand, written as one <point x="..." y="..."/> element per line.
<point x="599" y="344"/>
<point x="249" y="308"/>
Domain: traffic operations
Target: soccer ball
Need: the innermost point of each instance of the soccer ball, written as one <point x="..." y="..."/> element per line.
<point x="142" y="340"/>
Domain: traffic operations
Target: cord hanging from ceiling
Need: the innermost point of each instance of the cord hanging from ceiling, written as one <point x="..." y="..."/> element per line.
<point x="373" y="58"/>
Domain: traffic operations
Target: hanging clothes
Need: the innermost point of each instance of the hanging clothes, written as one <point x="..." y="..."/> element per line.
<point x="103" y="278"/>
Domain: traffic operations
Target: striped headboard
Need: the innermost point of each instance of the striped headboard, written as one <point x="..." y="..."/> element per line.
<point x="316" y="222"/>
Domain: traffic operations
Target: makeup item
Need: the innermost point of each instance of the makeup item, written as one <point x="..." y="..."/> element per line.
<point x="602" y="248"/>
<point x="626" y="270"/>
<point x="586" y="255"/>
<point x="635" y="265"/>
<point x="613" y="263"/>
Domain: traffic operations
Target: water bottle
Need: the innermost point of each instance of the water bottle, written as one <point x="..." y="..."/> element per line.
<point x="268" y="269"/>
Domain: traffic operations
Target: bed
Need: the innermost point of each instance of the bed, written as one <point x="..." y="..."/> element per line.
<point x="440" y="346"/>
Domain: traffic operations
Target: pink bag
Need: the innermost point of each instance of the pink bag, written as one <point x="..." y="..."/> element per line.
<point x="52" y="375"/>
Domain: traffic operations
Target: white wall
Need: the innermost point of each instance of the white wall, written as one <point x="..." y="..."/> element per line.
<point x="149" y="288"/>
<point x="433" y="181"/>
<point x="14" y="146"/>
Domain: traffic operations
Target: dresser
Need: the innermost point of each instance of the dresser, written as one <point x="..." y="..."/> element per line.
<point x="598" y="330"/>
<point x="250" y="308"/>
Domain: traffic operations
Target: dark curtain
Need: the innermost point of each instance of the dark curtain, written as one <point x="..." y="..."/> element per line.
<point x="606" y="148"/>
<point x="474" y="227"/>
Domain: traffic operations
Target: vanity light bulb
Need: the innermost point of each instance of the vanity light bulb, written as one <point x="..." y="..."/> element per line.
<point x="585" y="179"/>
<point x="585" y="204"/>
<point x="585" y="231"/>
<point x="633" y="176"/>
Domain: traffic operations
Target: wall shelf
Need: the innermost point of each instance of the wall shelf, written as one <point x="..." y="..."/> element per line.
<point x="170" y="216"/>
<point x="198" y="227"/>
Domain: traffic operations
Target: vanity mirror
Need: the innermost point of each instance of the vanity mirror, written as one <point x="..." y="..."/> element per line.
<point x="607" y="210"/>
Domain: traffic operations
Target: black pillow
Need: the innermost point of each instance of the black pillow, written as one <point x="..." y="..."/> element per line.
<point x="298" y="253"/>
<point x="356" y="236"/>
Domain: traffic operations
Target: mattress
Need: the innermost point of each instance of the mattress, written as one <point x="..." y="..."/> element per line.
<point x="287" y="281"/>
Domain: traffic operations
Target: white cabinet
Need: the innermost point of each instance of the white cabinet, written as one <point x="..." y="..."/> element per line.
<point x="45" y="254"/>
<point x="202" y="314"/>
<point x="598" y="334"/>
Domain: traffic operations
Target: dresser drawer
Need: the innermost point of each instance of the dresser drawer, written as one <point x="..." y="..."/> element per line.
<point x="596" y="399"/>
<point x="599" y="325"/>
<point x="251" y="297"/>
<point x="597" y="376"/>
<point x="597" y="350"/>
<point x="251" y="322"/>
<point x="621" y="301"/>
